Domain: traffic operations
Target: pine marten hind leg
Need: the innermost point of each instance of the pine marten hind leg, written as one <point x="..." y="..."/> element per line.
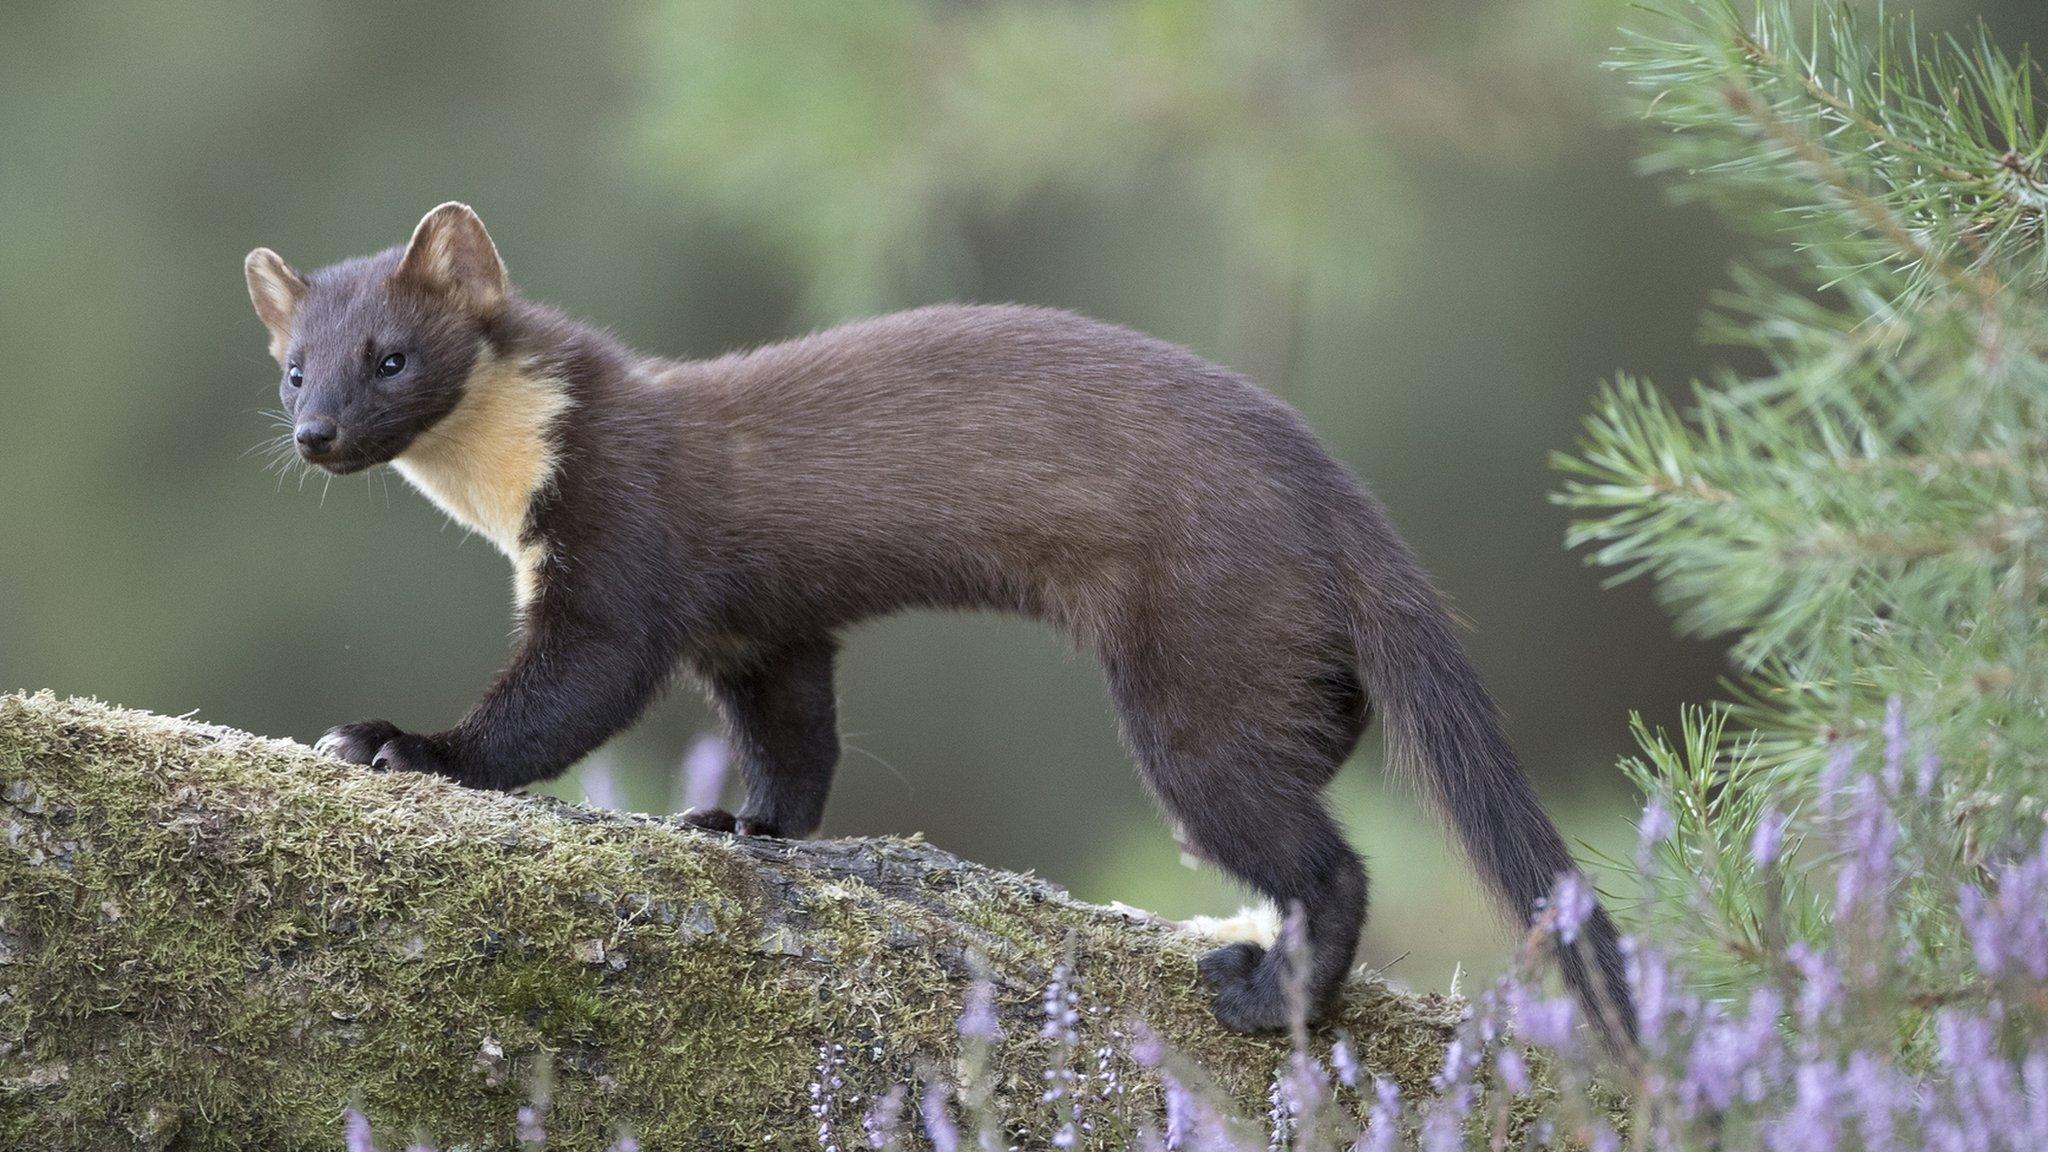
<point x="1246" y="794"/>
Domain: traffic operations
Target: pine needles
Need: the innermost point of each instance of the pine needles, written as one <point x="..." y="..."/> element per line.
<point x="1864" y="515"/>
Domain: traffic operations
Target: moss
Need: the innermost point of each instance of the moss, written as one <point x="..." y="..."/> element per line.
<point x="213" y="940"/>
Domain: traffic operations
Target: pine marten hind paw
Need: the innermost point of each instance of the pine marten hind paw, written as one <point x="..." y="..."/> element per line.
<point x="719" y="820"/>
<point x="1248" y="995"/>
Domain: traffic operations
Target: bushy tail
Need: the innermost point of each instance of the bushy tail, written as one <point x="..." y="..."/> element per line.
<point x="1444" y="732"/>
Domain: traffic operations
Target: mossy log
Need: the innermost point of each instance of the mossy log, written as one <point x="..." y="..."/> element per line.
<point x="214" y="940"/>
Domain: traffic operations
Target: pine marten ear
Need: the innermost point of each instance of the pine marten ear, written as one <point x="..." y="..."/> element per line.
<point x="276" y="289"/>
<point x="451" y="255"/>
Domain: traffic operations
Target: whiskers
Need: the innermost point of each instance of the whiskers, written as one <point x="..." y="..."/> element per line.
<point x="280" y="451"/>
<point x="280" y="454"/>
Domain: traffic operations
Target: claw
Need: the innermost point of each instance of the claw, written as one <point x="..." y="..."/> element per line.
<point x="710" y="819"/>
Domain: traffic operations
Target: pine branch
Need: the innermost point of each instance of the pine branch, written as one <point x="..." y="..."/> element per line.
<point x="1867" y="518"/>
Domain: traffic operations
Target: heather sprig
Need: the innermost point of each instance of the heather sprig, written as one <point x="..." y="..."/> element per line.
<point x="1062" y="1083"/>
<point x="980" y="1029"/>
<point x="883" y="1123"/>
<point x="824" y="1094"/>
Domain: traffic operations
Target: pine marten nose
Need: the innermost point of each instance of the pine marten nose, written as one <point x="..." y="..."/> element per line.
<point x="314" y="436"/>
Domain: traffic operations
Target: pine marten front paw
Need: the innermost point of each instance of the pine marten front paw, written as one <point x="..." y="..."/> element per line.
<point x="383" y="746"/>
<point x="407" y="752"/>
<point x="357" y="743"/>
<point x="710" y="819"/>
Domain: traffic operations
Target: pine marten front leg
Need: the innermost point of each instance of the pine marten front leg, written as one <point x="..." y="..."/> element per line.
<point x="579" y="677"/>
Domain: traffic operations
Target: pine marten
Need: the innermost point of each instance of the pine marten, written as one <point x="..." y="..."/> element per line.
<point x="1248" y="599"/>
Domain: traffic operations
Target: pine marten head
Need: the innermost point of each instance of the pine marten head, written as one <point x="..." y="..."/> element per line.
<point x="377" y="350"/>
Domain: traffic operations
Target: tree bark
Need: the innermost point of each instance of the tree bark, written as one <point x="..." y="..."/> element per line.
<point x="214" y="940"/>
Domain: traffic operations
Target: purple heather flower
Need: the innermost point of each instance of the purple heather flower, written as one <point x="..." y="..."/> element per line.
<point x="530" y="1129"/>
<point x="1513" y="1070"/>
<point x="1820" y="991"/>
<point x="1981" y="921"/>
<point x="1930" y="768"/>
<point x="1461" y="1059"/>
<point x="1150" y="1050"/>
<point x="1812" y="1124"/>
<point x="1713" y="1070"/>
<point x="1862" y="883"/>
<point x="1984" y="1082"/>
<point x="1443" y="1129"/>
<point x="1344" y="1060"/>
<point x="1834" y="775"/>
<point x="600" y="786"/>
<point x="1108" y="1083"/>
<point x="1443" y="1122"/>
<point x="884" y="1120"/>
<point x="1542" y="1020"/>
<point x="1061" y="1009"/>
<point x="2034" y="1074"/>
<point x="1304" y="1088"/>
<point x="356" y="1131"/>
<point x="1657" y="826"/>
<point x="1769" y="837"/>
<point x="2009" y="928"/>
<point x="1062" y="1016"/>
<point x="1875" y="1094"/>
<point x="978" y="1017"/>
<point x="1383" y="1125"/>
<point x="824" y="1088"/>
<point x="1192" y="1120"/>
<point x="703" y="772"/>
<point x="1180" y="1111"/>
<point x="1280" y="1122"/>
<point x="938" y="1120"/>
<point x="1571" y="904"/>
<point x="1658" y="823"/>
<point x="1733" y="1058"/>
<point x="1894" y="743"/>
<point x="1183" y="1108"/>
<point x="1650" y="978"/>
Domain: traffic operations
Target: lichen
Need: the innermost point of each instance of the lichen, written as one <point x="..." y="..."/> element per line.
<point x="213" y="940"/>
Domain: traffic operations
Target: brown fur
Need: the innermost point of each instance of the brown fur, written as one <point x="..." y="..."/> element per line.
<point x="1248" y="599"/>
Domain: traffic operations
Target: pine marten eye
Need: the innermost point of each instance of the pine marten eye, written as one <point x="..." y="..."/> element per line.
<point x="391" y="365"/>
<point x="293" y="374"/>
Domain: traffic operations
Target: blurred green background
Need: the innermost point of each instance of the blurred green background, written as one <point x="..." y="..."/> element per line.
<point x="1416" y="220"/>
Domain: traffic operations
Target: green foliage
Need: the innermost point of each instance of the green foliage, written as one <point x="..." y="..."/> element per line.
<point x="1862" y="507"/>
<point x="862" y="176"/>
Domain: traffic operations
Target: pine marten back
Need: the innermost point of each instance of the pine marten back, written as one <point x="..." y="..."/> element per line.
<point x="1249" y="601"/>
